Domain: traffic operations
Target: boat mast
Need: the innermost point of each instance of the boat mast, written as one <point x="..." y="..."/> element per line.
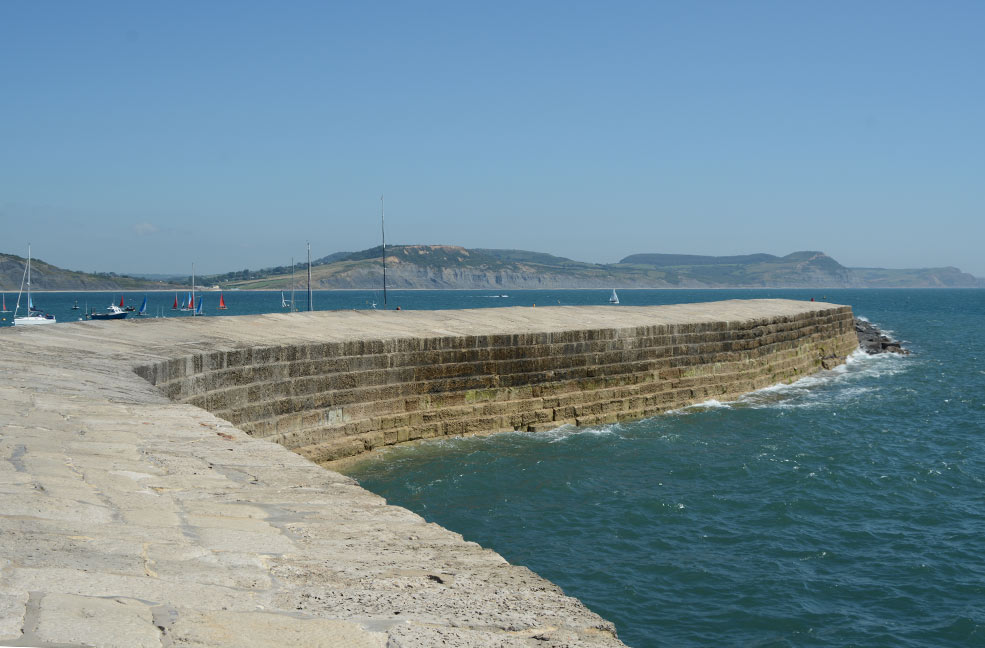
<point x="383" y="233"/>
<point x="292" y="285"/>
<point x="27" y="272"/>
<point x="29" y="304"/>
<point x="192" y="305"/>
<point x="310" y="305"/>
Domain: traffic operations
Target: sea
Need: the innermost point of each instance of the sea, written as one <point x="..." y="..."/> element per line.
<point x="845" y="509"/>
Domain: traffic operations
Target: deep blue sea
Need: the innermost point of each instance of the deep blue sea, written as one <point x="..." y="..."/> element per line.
<point x="847" y="509"/>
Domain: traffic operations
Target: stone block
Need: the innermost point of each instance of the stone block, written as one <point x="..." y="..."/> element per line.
<point x="86" y="620"/>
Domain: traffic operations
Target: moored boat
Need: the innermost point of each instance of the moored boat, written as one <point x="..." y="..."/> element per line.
<point x="114" y="313"/>
<point x="34" y="315"/>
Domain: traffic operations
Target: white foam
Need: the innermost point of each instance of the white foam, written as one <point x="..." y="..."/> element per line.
<point x="810" y="391"/>
<point x="711" y="403"/>
<point x="568" y="431"/>
<point x="884" y="331"/>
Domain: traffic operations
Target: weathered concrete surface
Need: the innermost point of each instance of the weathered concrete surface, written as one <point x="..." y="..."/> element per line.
<point x="129" y="519"/>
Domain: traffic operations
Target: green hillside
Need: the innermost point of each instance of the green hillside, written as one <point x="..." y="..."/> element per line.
<point x="450" y="266"/>
<point x="45" y="276"/>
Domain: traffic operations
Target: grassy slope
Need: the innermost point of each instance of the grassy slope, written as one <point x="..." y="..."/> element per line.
<point x="45" y="276"/>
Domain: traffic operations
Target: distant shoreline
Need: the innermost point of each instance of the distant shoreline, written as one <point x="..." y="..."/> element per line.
<point x="496" y="290"/>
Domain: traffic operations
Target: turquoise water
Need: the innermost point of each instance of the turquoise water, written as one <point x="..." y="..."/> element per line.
<point x="845" y="510"/>
<point x="255" y="302"/>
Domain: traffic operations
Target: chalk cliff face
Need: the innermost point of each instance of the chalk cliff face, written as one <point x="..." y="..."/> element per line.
<point x="424" y="277"/>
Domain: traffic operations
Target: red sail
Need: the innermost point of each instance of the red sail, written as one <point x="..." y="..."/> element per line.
<point x="121" y="301"/>
<point x="175" y="307"/>
<point x="222" y="302"/>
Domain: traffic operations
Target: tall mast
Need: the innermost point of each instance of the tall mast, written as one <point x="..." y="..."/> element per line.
<point x="29" y="279"/>
<point x="310" y="305"/>
<point x="192" y="305"/>
<point x="292" y="284"/>
<point x="383" y="232"/>
<point x="20" y="291"/>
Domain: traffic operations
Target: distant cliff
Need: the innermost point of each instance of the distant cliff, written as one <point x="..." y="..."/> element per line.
<point x="448" y="266"/>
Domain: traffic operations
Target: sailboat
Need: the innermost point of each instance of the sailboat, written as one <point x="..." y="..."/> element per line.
<point x="143" y="307"/>
<point x="190" y="306"/>
<point x="33" y="316"/>
<point x="175" y="307"/>
<point x="283" y="302"/>
<point x="222" y="302"/>
<point x="614" y="298"/>
<point x="5" y="309"/>
<point x="199" y="310"/>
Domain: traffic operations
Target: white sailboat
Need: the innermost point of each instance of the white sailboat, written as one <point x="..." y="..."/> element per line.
<point x="199" y="309"/>
<point x="33" y="316"/>
<point x="614" y="298"/>
<point x="189" y="306"/>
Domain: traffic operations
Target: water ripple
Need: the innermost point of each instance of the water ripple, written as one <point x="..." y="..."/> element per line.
<point x="843" y="509"/>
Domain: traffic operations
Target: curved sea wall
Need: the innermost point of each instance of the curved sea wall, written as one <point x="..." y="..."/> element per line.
<point x="157" y="512"/>
<point x="332" y="400"/>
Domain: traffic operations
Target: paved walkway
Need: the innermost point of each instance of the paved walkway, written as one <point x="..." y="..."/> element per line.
<point x="128" y="520"/>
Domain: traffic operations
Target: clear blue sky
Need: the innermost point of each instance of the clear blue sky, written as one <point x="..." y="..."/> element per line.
<point x="142" y="137"/>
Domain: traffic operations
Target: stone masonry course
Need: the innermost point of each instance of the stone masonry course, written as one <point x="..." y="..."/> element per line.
<point x="157" y="485"/>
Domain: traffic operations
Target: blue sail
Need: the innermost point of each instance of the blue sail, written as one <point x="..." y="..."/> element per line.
<point x="198" y="311"/>
<point x="143" y="307"/>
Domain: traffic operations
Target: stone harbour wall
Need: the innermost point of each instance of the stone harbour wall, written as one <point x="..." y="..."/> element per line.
<point x="328" y="401"/>
<point x="143" y="501"/>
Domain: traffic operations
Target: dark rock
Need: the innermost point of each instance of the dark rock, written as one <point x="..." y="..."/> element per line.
<point x="874" y="341"/>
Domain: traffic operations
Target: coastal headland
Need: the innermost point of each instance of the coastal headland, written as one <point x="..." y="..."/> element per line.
<point x="157" y="489"/>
